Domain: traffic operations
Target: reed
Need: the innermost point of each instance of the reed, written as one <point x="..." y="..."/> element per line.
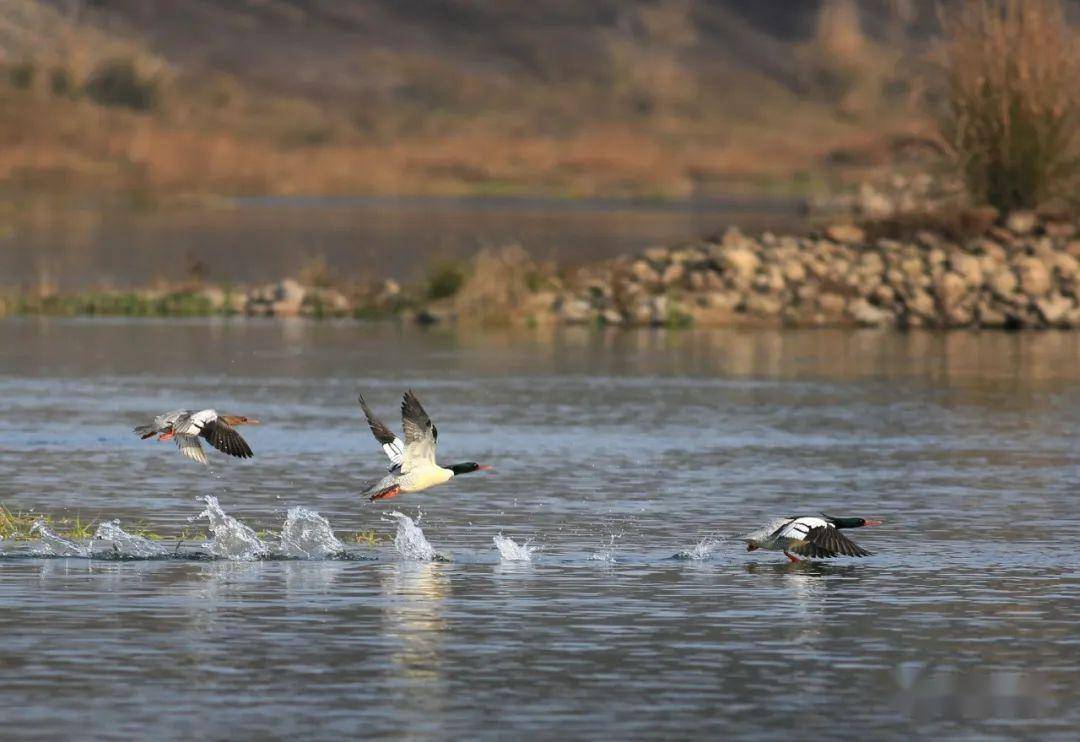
<point x="1012" y="120"/>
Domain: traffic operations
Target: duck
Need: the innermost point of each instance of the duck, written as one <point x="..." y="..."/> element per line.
<point x="187" y="426"/>
<point x="809" y="536"/>
<point x="412" y="462"/>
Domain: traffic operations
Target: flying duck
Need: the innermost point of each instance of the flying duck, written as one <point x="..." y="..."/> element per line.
<point x="808" y="536"/>
<point x="412" y="462"/>
<point x="186" y="426"/>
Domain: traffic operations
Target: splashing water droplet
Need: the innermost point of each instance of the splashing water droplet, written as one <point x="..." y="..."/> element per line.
<point x="605" y="555"/>
<point x="410" y="541"/>
<point x="57" y="545"/>
<point x="128" y="544"/>
<point x="511" y="551"/>
<point x="232" y="539"/>
<point x="702" y="550"/>
<point x="307" y="534"/>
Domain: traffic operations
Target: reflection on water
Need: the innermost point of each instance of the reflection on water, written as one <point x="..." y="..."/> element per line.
<point x="635" y="446"/>
<point x="256" y="240"/>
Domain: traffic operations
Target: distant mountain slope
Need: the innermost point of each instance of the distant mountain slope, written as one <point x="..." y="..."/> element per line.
<point x="605" y="96"/>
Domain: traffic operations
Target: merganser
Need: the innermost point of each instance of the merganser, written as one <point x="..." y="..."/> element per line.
<point x="186" y="426"/>
<point x="808" y="536"/>
<point x="412" y="462"/>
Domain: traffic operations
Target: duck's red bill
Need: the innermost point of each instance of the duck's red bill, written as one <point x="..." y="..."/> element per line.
<point x="873" y="522"/>
<point x="485" y="467"/>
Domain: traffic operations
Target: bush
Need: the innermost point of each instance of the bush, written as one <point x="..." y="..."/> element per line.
<point x="1013" y="114"/>
<point x="22" y="75"/>
<point x="60" y="82"/>
<point x="444" y="280"/>
<point x="117" y="83"/>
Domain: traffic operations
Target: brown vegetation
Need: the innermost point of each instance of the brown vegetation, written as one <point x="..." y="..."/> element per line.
<point x="655" y="103"/>
<point x="1013" y="119"/>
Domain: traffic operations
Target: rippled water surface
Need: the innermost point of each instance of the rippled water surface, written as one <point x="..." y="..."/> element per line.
<point x="548" y="600"/>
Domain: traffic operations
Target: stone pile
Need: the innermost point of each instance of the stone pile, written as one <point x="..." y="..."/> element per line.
<point x="1022" y="273"/>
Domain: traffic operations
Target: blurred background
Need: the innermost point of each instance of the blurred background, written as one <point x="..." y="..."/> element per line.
<point x="375" y="134"/>
<point x="242" y="140"/>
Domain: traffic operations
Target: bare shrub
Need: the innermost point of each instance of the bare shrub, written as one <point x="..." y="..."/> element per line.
<point x="1013" y="116"/>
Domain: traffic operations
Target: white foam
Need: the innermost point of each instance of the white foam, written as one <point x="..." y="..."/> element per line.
<point x="410" y="541"/>
<point x="128" y="544"/>
<point x="57" y="545"/>
<point x="308" y="535"/>
<point x="511" y="551"/>
<point x="703" y="550"/>
<point x="231" y="538"/>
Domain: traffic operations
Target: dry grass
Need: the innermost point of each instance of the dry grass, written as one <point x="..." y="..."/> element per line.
<point x="1013" y="119"/>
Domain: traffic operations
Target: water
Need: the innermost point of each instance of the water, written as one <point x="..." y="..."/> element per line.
<point x="631" y="459"/>
<point x="259" y="240"/>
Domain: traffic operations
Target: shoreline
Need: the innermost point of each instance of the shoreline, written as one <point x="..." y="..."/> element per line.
<point x="970" y="269"/>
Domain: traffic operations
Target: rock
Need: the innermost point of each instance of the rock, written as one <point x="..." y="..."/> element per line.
<point x="928" y="239"/>
<point x="763" y="305"/>
<point x="673" y="274"/>
<point x="657" y="255"/>
<point x="724" y="299"/>
<point x="741" y="263"/>
<point x="697" y="280"/>
<point x="990" y="315"/>
<point x="1002" y="281"/>
<point x="1059" y="230"/>
<point x="950" y="289"/>
<point x="1066" y="265"/>
<point x="921" y="304"/>
<point x="871" y="263"/>
<point x="884" y="295"/>
<point x="1021" y="222"/>
<point x="794" y="271"/>
<point x="644" y="273"/>
<point x="660" y="310"/>
<point x="574" y="311"/>
<point x="865" y="313"/>
<point x="1054" y="308"/>
<point x="968" y="266"/>
<point x="831" y="304"/>
<point x="991" y="249"/>
<point x="847" y="234"/>
<point x="1034" y="276"/>
<point x="289" y="291"/>
<point x="612" y="317"/>
<point x="214" y="296"/>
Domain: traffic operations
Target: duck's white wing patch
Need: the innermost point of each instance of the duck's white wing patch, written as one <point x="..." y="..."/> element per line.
<point x="395" y="451"/>
<point x="800" y="527"/>
<point x="190" y="447"/>
<point x="766" y="530"/>
<point x="193" y="422"/>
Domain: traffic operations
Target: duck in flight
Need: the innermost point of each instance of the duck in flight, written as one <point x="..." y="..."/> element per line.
<point x="808" y="536"/>
<point x="187" y="426"/>
<point x="412" y="462"/>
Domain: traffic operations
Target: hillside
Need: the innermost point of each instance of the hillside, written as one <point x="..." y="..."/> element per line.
<point x="381" y="96"/>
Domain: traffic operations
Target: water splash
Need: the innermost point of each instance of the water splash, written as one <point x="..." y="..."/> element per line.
<point x="605" y="554"/>
<point x="308" y="535"/>
<point x="128" y="544"/>
<point x="410" y="540"/>
<point x="511" y="551"/>
<point x="703" y="550"/>
<point x="57" y="545"/>
<point x="232" y="539"/>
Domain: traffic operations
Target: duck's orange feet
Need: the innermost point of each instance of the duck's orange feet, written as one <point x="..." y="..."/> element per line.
<point x="386" y="493"/>
<point x="167" y="436"/>
<point x="792" y="559"/>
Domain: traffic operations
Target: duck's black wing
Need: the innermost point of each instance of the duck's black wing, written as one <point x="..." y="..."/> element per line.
<point x="391" y="444"/>
<point x="224" y="438"/>
<point x="825" y="542"/>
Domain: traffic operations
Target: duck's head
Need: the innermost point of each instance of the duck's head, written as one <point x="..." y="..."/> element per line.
<point x="751" y="545"/>
<point x="235" y="420"/>
<point x="852" y="522"/>
<point x="467" y="468"/>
